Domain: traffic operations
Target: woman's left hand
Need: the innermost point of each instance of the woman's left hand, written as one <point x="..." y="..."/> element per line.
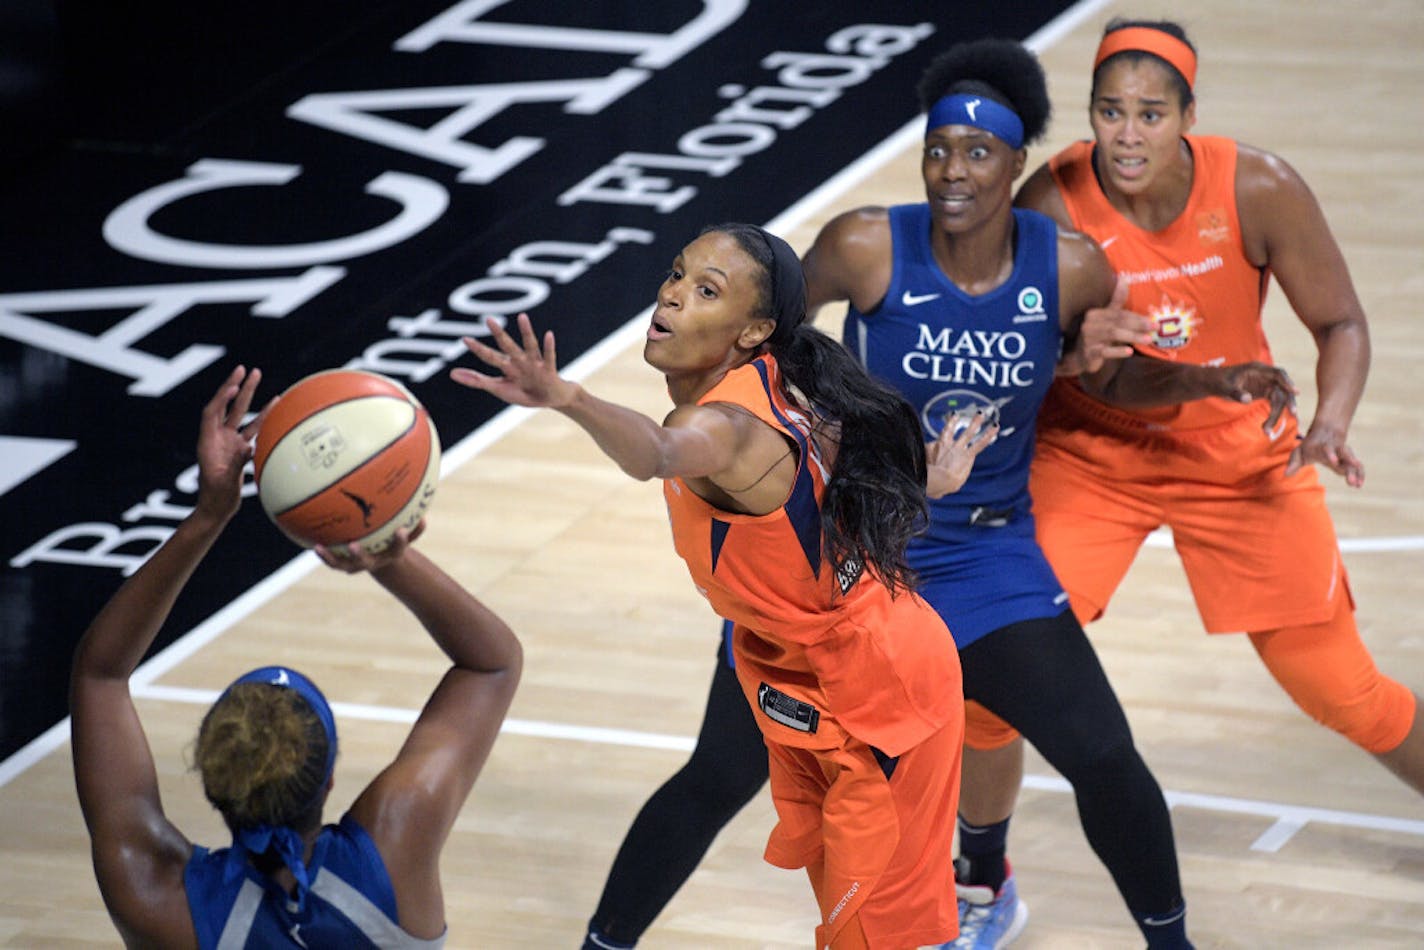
<point x="1323" y="445"/>
<point x="354" y="558"/>
<point x="950" y="458"/>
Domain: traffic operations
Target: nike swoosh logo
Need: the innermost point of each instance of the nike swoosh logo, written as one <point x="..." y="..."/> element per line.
<point x="1108" y="243"/>
<point x="911" y="300"/>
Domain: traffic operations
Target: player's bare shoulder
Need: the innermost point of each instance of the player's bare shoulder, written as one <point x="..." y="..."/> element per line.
<point x="1273" y="202"/>
<point x="850" y="259"/>
<point x="1258" y="168"/>
<point x="1039" y="192"/>
<point x="855" y="233"/>
<point x="1265" y="182"/>
<point x="1085" y="277"/>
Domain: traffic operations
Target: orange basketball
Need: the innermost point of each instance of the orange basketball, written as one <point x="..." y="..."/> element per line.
<point x="346" y="455"/>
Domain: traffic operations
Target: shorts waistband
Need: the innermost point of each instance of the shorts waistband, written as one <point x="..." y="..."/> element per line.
<point x="1074" y="405"/>
<point x="978" y="516"/>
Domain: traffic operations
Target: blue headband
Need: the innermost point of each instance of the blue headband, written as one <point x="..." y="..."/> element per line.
<point x="981" y="113"/>
<point x="306" y="689"/>
<point x="288" y="844"/>
<point x="788" y="288"/>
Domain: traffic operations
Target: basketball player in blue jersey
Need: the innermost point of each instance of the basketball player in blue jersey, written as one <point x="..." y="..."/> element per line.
<point x="963" y="303"/>
<point x="266" y="749"/>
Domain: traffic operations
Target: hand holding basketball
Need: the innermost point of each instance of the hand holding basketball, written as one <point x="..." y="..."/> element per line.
<point x="355" y="558"/>
<point x="347" y="456"/>
<point x="529" y="373"/>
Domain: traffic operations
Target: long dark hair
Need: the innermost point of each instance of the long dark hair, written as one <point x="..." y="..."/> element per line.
<point x="875" y="496"/>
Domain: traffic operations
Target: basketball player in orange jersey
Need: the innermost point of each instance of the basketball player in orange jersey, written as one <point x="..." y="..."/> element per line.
<point x="963" y="304"/>
<point x="793" y="483"/>
<point x="266" y="750"/>
<point x="1198" y="225"/>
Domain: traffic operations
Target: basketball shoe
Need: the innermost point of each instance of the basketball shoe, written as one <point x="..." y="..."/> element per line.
<point x="988" y="921"/>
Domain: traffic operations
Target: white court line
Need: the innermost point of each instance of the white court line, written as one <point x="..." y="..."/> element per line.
<point x="1288" y="819"/>
<point x="1162" y="538"/>
<point x="389" y="714"/>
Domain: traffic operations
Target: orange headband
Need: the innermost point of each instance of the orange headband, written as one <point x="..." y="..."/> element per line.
<point x="1144" y="39"/>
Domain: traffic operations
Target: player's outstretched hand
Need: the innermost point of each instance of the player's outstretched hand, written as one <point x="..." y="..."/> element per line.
<point x="528" y="371"/>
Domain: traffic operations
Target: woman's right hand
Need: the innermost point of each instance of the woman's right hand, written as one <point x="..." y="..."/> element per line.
<point x="1246" y="382"/>
<point x="528" y="371"/>
<point x="950" y="458"/>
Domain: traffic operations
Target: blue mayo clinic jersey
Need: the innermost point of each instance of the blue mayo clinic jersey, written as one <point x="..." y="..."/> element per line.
<point x="950" y="354"/>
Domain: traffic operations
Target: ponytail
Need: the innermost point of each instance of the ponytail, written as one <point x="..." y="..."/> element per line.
<point x="875" y="498"/>
<point x="875" y="495"/>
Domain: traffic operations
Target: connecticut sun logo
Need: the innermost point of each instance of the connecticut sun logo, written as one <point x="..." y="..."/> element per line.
<point x="1175" y="324"/>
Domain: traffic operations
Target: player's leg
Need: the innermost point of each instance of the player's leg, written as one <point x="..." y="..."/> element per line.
<point x="1044" y="678"/>
<point x="993" y="756"/>
<point x="1090" y="533"/>
<point x="1268" y="561"/>
<point x="991" y="913"/>
<point x="1407" y="759"/>
<point x="852" y="935"/>
<point x="678" y="823"/>
<point x="1328" y="672"/>
<point x="889" y="867"/>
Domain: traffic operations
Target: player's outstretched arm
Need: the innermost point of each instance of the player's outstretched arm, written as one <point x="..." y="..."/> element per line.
<point x="138" y="854"/>
<point x="694" y="441"/>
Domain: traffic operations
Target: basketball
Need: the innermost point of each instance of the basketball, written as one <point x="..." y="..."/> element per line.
<point x="346" y="455"/>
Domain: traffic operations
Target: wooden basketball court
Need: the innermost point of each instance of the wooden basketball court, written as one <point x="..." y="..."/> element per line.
<point x="1288" y="835"/>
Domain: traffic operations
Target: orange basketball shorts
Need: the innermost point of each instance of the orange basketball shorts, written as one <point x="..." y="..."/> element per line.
<point x="878" y="848"/>
<point x="1258" y="548"/>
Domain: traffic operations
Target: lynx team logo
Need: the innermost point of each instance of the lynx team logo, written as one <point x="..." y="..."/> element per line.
<point x="956" y="408"/>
